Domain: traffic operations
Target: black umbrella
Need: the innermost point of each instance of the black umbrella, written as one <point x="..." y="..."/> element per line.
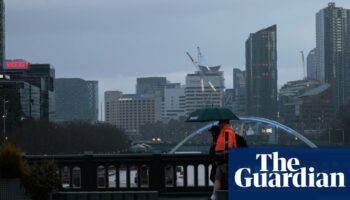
<point x="211" y="114"/>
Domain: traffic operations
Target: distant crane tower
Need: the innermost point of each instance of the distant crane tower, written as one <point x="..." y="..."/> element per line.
<point x="303" y="62"/>
<point x="201" y="68"/>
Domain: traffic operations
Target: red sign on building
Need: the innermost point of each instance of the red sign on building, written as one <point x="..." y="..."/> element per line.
<point x="17" y="64"/>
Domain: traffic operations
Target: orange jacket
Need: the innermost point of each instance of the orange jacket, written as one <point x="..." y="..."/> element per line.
<point x="231" y="139"/>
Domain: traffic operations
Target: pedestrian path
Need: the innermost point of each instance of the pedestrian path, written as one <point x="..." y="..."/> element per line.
<point x="184" y="198"/>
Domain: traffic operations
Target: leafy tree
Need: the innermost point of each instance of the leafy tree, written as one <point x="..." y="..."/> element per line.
<point x="174" y="131"/>
<point x="11" y="163"/>
<point x="38" y="179"/>
<point x="41" y="180"/>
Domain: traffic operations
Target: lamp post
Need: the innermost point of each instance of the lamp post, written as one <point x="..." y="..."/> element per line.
<point x="4" y="115"/>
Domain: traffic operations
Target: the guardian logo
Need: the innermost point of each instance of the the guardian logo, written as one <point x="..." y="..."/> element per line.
<point x="285" y="173"/>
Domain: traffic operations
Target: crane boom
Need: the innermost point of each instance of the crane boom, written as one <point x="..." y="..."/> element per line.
<point x="192" y="60"/>
<point x="201" y="59"/>
<point x="199" y="54"/>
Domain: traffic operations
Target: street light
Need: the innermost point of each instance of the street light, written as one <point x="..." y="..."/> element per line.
<point x="156" y="139"/>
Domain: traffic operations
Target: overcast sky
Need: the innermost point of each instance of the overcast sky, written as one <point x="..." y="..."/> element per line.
<point x="115" y="41"/>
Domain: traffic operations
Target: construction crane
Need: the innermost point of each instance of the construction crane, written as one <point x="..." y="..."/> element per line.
<point x="303" y="62"/>
<point x="201" y="60"/>
<point x="195" y="63"/>
<point x="201" y="68"/>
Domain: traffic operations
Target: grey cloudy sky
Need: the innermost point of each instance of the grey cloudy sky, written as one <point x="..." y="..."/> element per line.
<point x="115" y="41"/>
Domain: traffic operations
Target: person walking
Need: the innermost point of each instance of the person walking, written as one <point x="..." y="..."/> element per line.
<point x="227" y="139"/>
<point x="215" y="131"/>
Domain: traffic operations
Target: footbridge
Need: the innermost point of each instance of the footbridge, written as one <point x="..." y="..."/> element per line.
<point x="286" y="129"/>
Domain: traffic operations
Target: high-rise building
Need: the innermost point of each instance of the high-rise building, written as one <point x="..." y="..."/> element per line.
<point x="316" y="110"/>
<point x="76" y="99"/>
<point x="305" y="105"/>
<point x="39" y="75"/>
<point x="208" y="94"/>
<point x="42" y="76"/>
<point x="229" y="98"/>
<point x="239" y="78"/>
<point x="93" y="98"/>
<point x="261" y="73"/>
<point x="173" y="105"/>
<point x="290" y="103"/>
<point x="2" y="34"/>
<point x="21" y="99"/>
<point x="111" y="100"/>
<point x="151" y="86"/>
<point x="239" y="92"/>
<point x="132" y="111"/>
<point x="333" y="51"/>
<point x="312" y="67"/>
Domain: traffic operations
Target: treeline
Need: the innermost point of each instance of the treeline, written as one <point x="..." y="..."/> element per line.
<point x="42" y="137"/>
<point x="174" y="131"/>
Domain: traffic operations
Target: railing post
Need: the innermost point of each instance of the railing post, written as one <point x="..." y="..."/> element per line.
<point x="185" y="176"/>
<point x="206" y="175"/>
<point x="88" y="174"/>
<point x="128" y="182"/>
<point x="156" y="173"/>
<point x="155" y="163"/>
<point x="195" y="171"/>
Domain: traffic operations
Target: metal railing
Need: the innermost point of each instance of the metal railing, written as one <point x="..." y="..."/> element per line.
<point x="169" y="174"/>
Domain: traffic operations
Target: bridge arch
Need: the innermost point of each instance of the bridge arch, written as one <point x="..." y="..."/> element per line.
<point x="256" y="119"/>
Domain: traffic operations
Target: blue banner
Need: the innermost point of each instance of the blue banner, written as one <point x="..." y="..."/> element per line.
<point x="289" y="173"/>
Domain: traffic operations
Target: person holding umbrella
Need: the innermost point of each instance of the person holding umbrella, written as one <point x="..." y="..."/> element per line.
<point x="225" y="140"/>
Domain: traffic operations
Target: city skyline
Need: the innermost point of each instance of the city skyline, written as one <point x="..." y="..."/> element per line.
<point x="137" y="39"/>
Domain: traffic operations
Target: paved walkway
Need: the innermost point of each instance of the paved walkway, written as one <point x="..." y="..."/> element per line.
<point x="184" y="198"/>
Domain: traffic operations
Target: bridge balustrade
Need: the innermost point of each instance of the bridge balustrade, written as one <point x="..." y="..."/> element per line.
<point x="165" y="173"/>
